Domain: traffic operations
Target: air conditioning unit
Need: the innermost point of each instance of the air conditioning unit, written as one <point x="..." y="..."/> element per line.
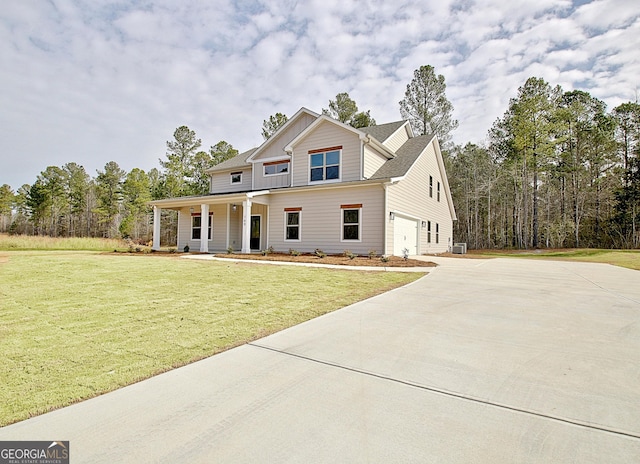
<point x="459" y="249"/>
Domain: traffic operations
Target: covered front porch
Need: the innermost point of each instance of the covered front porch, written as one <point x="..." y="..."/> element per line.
<point x="217" y="223"/>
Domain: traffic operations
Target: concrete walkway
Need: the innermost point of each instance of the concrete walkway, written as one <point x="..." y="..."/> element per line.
<point x="481" y="361"/>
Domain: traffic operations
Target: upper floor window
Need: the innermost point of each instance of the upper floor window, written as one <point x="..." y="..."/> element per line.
<point x="324" y="164"/>
<point x="431" y="186"/>
<point x="438" y="191"/>
<point x="276" y="167"/>
<point x="236" y="177"/>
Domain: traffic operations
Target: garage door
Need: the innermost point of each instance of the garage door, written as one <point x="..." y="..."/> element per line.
<point x="405" y="235"/>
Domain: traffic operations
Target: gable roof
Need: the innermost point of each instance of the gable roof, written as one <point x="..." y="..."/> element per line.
<point x="282" y="128"/>
<point x="311" y="127"/>
<point x="383" y="131"/>
<point x="406" y="155"/>
<point x="238" y="161"/>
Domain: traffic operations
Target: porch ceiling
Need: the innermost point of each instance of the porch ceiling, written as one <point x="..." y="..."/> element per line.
<point x="181" y="202"/>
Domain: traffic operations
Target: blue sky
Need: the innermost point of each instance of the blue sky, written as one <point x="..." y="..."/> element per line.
<point x="91" y="82"/>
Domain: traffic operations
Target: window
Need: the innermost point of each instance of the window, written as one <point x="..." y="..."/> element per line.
<point x="324" y="164"/>
<point x="292" y="224"/>
<point x="430" y="186"/>
<point x="438" y="191"/>
<point x="196" y="226"/>
<point x="236" y="177"/>
<point x="277" y="167"/>
<point x="428" y="231"/>
<point x="437" y="232"/>
<point x="351" y="222"/>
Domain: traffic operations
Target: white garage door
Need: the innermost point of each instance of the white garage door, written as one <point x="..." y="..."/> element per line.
<point x="405" y="235"/>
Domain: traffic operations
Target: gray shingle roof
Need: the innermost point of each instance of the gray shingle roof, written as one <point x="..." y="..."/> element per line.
<point x="238" y="161"/>
<point x="406" y="155"/>
<point x="383" y="131"/>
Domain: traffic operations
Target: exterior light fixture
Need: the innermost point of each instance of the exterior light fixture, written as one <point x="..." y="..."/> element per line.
<point x="234" y="208"/>
<point x="191" y="209"/>
<point x="392" y="215"/>
<point x="424" y="224"/>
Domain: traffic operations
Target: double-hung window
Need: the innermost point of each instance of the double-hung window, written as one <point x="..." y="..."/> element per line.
<point x="324" y="164"/>
<point x="437" y="232"/>
<point x="236" y="177"/>
<point x="351" y="222"/>
<point x="276" y="167"/>
<point x="428" y="231"/>
<point x="430" y="186"/>
<point x="438" y="191"/>
<point x="292" y="224"/>
<point x="196" y="226"/>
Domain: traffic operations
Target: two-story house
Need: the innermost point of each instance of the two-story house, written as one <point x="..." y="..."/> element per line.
<point x="318" y="183"/>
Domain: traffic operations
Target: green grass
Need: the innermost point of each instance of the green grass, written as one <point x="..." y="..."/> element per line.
<point x="624" y="258"/>
<point x="32" y="242"/>
<point x="77" y="324"/>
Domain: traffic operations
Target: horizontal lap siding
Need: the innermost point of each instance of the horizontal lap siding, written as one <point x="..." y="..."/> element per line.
<point x="411" y="196"/>
<point x="219" y="229"/>
<point x="327" y="135"/>
<point x="263" y="182"/>
<point x="321" y="219"/>
<point x="221" y="181"/>
<point x="372" y="161"/>
<point x="397" y="139"/>
<point x="278" y="143"/>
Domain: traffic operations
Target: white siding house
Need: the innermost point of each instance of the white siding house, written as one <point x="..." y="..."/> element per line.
<point x="318" y="183"/>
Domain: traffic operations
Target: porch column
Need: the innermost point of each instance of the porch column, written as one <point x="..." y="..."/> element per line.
<point x="156" y="228"/>
<point x="246" y="226"/>
<point x="204" y="229"/>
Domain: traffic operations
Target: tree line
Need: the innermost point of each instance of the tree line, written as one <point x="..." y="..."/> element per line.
<point x="557" y="170"/>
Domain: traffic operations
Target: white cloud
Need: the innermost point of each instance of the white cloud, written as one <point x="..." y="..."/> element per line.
<point x="91" y="82"/>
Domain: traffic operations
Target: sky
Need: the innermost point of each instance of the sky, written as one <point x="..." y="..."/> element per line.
<point x="90" y="81"/>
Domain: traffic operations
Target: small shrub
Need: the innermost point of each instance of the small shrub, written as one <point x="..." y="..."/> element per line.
<point x="138" y="249"/>
<point x="230" y="250"/>
<point x="319" y="253"/>
<point x="372" y="254"/>
<point x="384" y="259"/>
<point x="293" y="252"/>
<point x="172" y="250"/>
<point x="186" y="248"/>
<point x="348" y="254"/>
<point x="268" y="251"/>
<point x="405" y="253"/>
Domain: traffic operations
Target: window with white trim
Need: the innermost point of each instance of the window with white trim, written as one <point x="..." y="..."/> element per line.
<point x="430" y="186"/>
<point x="276" y="167"/>
<point x="437" y="232"/>
<point x="196" y="226"/>
<point x="324" y="165"/>
<point x="428" y="231"/>
<point x="236" y="177"/>
<point x="351" y="222"/>
<point x="292" y="224"/>
<point x="438" y="191"/>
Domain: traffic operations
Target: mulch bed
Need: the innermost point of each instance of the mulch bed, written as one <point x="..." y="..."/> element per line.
<point x="394" y="261"/>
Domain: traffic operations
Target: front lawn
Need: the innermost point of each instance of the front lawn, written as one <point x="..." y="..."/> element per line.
<point x="74" y="325"/>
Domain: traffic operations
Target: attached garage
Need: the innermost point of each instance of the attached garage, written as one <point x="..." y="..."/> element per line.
<point x="405" y="236"/>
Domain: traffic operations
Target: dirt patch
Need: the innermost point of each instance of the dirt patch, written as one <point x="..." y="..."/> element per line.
<point x="394" y="261"/>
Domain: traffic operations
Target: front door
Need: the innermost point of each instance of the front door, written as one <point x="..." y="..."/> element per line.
<point x="254" y="243"/>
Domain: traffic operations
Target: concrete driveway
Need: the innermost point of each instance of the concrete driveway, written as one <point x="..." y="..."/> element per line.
<point x="482" y="361"/>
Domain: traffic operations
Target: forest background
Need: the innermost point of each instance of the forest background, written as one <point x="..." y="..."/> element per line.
<point x="558" y="171"/>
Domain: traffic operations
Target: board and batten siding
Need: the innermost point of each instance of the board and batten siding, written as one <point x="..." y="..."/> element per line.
<point x="397" y="139"/>
<point x="262" y="182"/>
<point x="410" y="197"/>
<point x="327" y="135"/>
<point x="372" y="161"/>
<point x="221" y="181"/>
<point x="321" y="216"/>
